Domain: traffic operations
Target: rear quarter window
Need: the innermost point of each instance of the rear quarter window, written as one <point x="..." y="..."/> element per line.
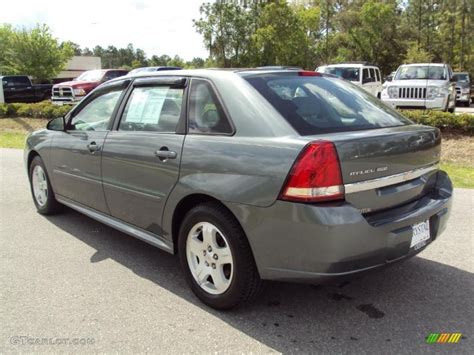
<point x="314" y="105"/>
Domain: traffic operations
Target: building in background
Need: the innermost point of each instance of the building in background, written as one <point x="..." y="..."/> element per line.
<point x="76" y="66"/>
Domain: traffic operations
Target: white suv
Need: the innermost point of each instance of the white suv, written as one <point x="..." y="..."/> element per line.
<point x="422" y="85"/>
<point x="363" y="74"/>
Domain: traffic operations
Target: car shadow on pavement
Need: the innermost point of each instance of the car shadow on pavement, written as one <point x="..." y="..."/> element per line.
<point x="390" y="310"/>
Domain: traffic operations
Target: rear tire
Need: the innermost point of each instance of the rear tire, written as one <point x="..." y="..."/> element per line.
<point x="212" y="245"/>
<point x="41" y="190"/>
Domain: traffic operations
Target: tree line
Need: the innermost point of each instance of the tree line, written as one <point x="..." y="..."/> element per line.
<point x="314" y="32"/>
<point x="130" y="57"/>
<point x="305" y="33"/>
<point x="35" y="52"/>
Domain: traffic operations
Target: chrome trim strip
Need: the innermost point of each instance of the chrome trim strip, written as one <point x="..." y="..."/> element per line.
<point x="388" y="180"/>
<point x="153" y="239"/>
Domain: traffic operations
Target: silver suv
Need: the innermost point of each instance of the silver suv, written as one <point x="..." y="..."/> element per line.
<point x="362" y="74"/>
<point x="425" y="86"/>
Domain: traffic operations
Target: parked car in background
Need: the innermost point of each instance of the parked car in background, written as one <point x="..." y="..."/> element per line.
<point x="363" y="74"/>
<point x="464" y="88"/>
<point x="152" y="69"/>
<point x="247" y="175"/>
<point x="71" y="92"/>
<point x="19" y="88"/>
<point x="422" y="86"/>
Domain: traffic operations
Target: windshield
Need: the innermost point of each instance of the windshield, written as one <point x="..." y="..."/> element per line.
<point x="319" y="104"/>
<point x="411" y="72"/>
<point x="92" y="75"/>
<point x="461" y="78"/>
<point x="351" y="74"/>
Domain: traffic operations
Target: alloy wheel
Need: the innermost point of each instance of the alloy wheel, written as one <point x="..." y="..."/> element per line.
<point x="40" y="185"/>
<point x="209" y="258"/>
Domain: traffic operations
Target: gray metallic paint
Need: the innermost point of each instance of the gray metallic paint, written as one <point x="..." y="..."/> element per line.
<point x="246" y="172"/>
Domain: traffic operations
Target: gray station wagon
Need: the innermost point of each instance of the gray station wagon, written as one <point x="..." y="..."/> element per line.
<point x="248" y="175"/>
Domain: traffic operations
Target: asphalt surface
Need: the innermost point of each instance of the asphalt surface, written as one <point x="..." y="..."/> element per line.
<point x="68" y="276"/>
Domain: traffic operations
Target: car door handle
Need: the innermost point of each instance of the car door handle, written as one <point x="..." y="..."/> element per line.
<point x="165" y="154"/>
<point x="93" y="147"/>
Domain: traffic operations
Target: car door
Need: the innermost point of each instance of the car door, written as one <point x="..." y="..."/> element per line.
<point x="366" y="80"/>
<point x="76" y="153"/>
<point x="378" y="83"/>
<point x="142" y="154"/>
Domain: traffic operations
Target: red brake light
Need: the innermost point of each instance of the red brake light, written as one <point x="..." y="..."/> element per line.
<point x="308" y="73"/>
<point x="315" y="176"/>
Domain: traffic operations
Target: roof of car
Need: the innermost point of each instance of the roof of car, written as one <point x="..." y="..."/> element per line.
<point x="349" y="65"/>
<point x="431" y="64"/>
<point x="206" y="73"/>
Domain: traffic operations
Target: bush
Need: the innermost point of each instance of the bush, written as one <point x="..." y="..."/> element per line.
<point x="443" y="120"/>
<point x="44" y="109"/>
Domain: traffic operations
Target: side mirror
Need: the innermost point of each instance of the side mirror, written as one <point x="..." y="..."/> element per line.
<point x="56" y="124"/>
<point x="453" y="80"/>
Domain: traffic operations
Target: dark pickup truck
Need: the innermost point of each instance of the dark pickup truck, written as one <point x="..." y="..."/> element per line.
<point x="18" y="88"/>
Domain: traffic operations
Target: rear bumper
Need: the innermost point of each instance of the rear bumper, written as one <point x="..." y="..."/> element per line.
<point x="317" y="243"/>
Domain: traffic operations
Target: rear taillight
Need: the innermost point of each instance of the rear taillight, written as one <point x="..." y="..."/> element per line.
<point x="315" y="176"/>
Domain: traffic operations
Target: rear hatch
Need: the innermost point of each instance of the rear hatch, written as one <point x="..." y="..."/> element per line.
<point x="387" y="167"/>
<point x="385" y="159"/>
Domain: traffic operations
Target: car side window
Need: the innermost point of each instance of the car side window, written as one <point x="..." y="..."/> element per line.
<point x="109" y="76"/>
<point x="372" y="74"/>
<point x="152" y="108"/>
<point x="205" y="112"/>
<point x="96" y="115"/>
<point x="22" y="81"/>
<point x="378" y="74"/>
<point x="365" y="75"/>
<point x="8" y="81"/>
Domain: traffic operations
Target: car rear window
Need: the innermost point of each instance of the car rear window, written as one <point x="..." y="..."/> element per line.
<point x="320" y="104"/>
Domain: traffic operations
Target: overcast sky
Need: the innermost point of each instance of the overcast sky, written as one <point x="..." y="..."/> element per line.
<point x="158" y="27"/>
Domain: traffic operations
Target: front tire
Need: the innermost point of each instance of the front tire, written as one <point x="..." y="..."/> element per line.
<point x="216" y="257"/>
<point x="41" y="190"/>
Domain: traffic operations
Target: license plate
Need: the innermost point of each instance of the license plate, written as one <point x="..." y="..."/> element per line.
<point x="421" y="233"/>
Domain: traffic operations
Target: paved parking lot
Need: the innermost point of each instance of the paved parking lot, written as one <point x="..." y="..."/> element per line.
<point x="68" y="276"/>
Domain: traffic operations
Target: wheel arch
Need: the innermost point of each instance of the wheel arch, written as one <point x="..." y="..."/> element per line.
<point x="31" y="155"/>
<point x="184" y="206"/>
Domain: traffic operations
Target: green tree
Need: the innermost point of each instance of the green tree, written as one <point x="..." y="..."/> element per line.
<point x="177" y="61"/>
<point x="33" y="52"/>
<point x="196" y="63"/>
<point x="162" y="60"/>
<point x="6" y="50"/>
<point x="226" y="28"/>
<point x="280" y="38"/>
<point x="376" y="37"/>
<point x="417" y="55"/>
